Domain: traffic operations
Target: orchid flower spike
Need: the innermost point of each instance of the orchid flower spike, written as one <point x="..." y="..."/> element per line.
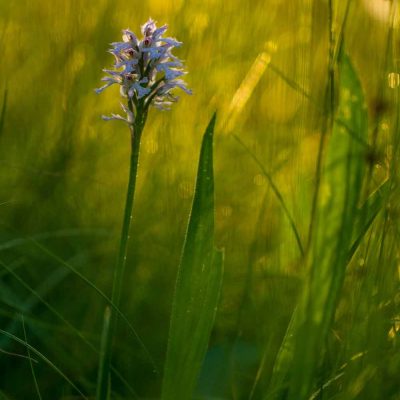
<point x="146" y="71"/>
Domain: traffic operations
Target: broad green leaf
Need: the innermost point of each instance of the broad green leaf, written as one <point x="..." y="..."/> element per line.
<point x="197" y="288"/>
<point x="338" y="226"/>
<point x="336" y="217"/>
<point x="366" y="215"/>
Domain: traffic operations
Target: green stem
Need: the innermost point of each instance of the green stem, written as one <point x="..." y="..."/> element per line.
<point x="103" y="383"/>
<point x="327" y="125"/>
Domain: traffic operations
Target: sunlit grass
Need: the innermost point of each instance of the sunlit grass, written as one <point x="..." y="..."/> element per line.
<point x="311" y="249"/>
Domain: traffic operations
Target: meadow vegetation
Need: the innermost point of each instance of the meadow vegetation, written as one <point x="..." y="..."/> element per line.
<point x="279" y="217"/>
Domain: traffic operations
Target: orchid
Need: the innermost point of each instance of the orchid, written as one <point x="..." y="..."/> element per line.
<point x="146" y="71"/>
<point x="147" y="74"/>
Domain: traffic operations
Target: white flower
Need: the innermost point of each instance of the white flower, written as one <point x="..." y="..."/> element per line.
<point x="146" y="70"/>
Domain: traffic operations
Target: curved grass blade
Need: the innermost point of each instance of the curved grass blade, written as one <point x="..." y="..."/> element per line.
<point x="9" y="353"/>
<point x="197" y="288"/>
<point x="67" y="265"/>
<point x="41" y="291"/>
<point x="60" y="233"/>
<point x="30" y="361"/>
<point x="277" y="194"/>
<point x="78" y="333"/>
<point x="45" y="359"/>
<point x="338" y="120"/>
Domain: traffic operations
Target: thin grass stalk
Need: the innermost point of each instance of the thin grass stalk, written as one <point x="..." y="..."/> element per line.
<point x="109" y="329"/>
<point x="30" y="361"/>
<point x="328" y="122"/>
<point x="104" y="339"/>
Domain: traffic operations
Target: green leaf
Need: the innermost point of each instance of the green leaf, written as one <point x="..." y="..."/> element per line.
<point x="366" y="216"/>
<point x="197" y="288"/>
<point x="336" y="217"/>
<point x="339" y="228"/>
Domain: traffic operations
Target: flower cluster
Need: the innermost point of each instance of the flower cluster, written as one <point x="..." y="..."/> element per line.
<point x="146" y="71"/>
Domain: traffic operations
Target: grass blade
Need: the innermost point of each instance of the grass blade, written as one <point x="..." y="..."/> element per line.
<point x="44" y="358"/>
<point x="90" y="284"/>
<point x="277" y="194"/>
<point x="103" y="351"/>
<point x="30" y="361"/>
<point x="197" y="288"/>
<point x="36" y="294"/>
<point x="336" y="217"/>
<point x="366" y="216"/>
<point x="339" y="229"/>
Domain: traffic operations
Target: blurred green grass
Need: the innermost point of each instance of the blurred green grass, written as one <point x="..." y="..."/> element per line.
<point x="64" y="172"/>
